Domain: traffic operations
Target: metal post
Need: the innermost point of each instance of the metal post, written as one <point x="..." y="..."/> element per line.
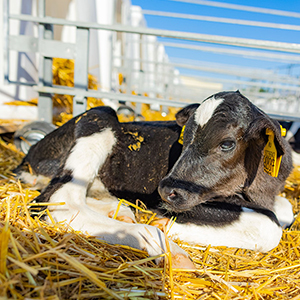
<point x="5" y="38"/>
<point x="45" y="105"/>
<point x="81" y="69"/>
<point x="167" y="89"/>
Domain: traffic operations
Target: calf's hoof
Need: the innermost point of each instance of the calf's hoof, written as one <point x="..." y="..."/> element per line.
<point x="125" y="219"/>
<point x="181" y="261"/>
<point x="160" y="223"/>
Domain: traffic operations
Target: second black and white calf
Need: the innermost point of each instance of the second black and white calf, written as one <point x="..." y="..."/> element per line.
<point x="214" y="184"/>
<point x="293" y="137"/>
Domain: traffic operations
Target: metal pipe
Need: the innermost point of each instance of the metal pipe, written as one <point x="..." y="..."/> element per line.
<point x="142" y="99"/>
<point x="262" y="74"/>
<point x="221" y="20"/>
<point x="109" y="95"/>
<point x="244" y="82"/>
<point x="261" y="10"/>
<point x="224" y="40"/>
<point x="264" y="55"/>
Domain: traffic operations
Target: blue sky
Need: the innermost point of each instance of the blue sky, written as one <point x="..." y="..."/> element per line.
<point x="279" y="35"/>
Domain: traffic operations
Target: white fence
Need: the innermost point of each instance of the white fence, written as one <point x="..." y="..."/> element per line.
<point x="128" y="47"/>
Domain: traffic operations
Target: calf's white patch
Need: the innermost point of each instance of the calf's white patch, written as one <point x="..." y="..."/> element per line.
<point x="252" y="230"/>
<point x="284" y="211"/>
<point x="89" y="154"/>
<point x="85" y="159"/>
<point x="37" y="181"/>
<point x="206" y="109"/>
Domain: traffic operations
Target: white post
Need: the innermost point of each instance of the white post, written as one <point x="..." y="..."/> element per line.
<point x="22" y="66"/>
<point x="105" y="10"/>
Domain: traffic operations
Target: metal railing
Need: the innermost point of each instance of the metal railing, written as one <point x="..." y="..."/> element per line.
<point x="49" y="48"/>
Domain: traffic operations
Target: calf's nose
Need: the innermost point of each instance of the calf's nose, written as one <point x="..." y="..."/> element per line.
<point x="167" y="193"/>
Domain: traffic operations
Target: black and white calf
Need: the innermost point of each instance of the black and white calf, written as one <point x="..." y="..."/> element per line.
<point x="293" y="137"/>
<point x="214" y="184"/>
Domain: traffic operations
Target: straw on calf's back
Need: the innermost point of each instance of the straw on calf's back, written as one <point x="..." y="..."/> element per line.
<point x="205" y="184"/>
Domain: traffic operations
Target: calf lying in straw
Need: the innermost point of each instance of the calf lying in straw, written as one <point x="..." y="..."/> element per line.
<point x="220" y="176"/>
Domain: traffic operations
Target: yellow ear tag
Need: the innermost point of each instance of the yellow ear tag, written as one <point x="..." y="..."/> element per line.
<point x="180" y="140"/>
<point x="283" y="131"/>
<point x="271" y="161"/>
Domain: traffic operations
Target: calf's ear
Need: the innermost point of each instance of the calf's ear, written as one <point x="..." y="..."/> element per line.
<point x="257" y="130"/>
<point x="257" y="139"/>
<point x="184" y="114"/>
<point x="257" y="180"/>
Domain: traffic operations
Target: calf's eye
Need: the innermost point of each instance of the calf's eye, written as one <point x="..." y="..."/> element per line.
<point x="227" y="146"/>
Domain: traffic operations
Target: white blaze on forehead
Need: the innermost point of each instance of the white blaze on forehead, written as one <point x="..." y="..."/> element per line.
<point x="205" y="111"/>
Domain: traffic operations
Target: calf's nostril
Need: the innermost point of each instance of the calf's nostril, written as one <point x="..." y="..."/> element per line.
<point x="172" y="195"/>
<point x="167" y="193"/>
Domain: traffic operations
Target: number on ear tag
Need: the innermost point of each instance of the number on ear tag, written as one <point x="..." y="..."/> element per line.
<point x="271" y="160"/>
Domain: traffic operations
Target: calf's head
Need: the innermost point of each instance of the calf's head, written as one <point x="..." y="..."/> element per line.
<point x="222" y="156"/>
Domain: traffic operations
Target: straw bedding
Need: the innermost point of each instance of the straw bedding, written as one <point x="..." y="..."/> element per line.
<point x="51" y="261"/>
